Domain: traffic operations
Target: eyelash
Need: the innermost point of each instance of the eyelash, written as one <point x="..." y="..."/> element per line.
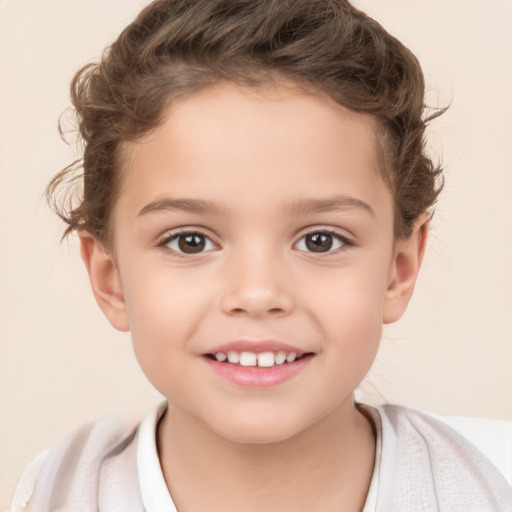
<point x="170" y="237"/>
<point x="344" y="241"/>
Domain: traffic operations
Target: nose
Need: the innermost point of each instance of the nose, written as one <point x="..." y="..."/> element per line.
<point x="257" y="286"/>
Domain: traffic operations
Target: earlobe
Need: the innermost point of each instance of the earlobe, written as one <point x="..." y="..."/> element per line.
<point x="404" y="271"/>
<point x="105" y="281"/>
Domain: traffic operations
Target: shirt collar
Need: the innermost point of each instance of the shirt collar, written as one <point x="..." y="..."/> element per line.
<point x="154" y="491"/>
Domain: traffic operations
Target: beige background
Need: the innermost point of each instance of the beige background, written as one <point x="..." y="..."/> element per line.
<point x="61" y="364"/>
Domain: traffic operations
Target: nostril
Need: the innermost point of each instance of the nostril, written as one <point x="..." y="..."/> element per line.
<point x="256" y="301"/>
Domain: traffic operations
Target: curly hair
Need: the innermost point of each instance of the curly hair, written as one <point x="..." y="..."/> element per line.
<point x="177" y="47"/>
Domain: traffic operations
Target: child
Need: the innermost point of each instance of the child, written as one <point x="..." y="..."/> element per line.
<point x="256" y="204"/>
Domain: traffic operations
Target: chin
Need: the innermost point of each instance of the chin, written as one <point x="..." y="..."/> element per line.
<point x="257" y="436"/>
<point x="258" y="430"/>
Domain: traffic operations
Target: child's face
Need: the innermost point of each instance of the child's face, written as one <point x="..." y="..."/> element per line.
<point x="248" y="220"/>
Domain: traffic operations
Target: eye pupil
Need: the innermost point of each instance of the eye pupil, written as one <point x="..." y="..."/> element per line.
<point x="192" y="243"/>
<point x="319" y="242"/>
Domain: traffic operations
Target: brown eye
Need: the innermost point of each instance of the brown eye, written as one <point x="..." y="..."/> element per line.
<point x="321" y="241"/>
<point x="189" y="243"/>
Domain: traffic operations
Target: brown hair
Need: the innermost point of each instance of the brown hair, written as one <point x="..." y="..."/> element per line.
<point x="176" y="47"/>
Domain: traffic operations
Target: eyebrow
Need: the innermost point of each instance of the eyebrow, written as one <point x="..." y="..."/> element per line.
<point x="187" y="205"/>
<point x="304" y="206"/>
<point x="328" y="205"/>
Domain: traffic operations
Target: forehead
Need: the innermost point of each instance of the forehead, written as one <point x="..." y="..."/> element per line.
<point x="232" y="144"/>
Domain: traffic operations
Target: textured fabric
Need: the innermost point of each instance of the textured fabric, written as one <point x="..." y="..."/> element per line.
<point x="422" y="465"/>
<point x="93" y="469"/>
<point x="427" y="466"/>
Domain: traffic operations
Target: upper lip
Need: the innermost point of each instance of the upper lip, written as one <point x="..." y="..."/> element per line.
<point x="246" y="345"/>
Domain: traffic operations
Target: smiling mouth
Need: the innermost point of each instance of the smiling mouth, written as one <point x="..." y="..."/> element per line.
<point x="266" y="359"/>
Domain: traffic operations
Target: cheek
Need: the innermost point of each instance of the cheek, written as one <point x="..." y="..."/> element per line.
<point x="354" y="326"/>
<point x="353" y="294"/>
<point x="163" y="314"/>
<point x="353" y="332"/>
<point x="348" y="309"/>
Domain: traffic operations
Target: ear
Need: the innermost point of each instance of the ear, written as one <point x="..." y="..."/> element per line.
<point x="105" y="280"/>
<point x="404" y="270"/>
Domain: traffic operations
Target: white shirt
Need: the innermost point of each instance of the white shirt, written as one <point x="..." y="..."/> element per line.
<point x="492" y="437"/>
<point x="421" y="465"/>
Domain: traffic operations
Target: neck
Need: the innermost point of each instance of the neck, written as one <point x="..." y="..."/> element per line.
<point x="326" y="467"/>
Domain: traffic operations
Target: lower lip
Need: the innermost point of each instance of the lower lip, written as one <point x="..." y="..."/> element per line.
<point x="257" y="376"/>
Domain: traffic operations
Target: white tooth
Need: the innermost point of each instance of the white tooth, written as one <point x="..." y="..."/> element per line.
<point x="233" y="357"/>
<point x="248" y="359"/>
<point x="220" y="356"/>
<point x="291" y="357"/>
<point x="266" y="359"/>
<point x="280" y="357"/>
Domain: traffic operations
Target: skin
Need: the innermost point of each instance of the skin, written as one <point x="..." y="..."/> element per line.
<point x="259" y="155"/>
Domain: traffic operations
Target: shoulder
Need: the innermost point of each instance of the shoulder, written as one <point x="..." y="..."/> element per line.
<point x="459" y="462"/>
<point x="490" y="436"/>
<point x="73" y="466"/>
